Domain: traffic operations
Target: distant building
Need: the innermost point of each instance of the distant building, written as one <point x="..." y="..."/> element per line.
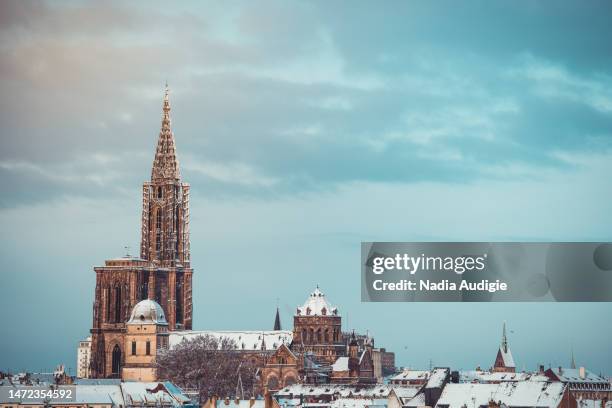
<point x="119" y="395"/>
<point x="507" y="394"/>
<point x="410" y="377"/>
<point x="504" y="362"/>
<point x="83" y="358"/>
<point x="582" y="383"/>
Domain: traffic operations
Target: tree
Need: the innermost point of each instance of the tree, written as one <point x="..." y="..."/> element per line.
<point x="211" y="365"/>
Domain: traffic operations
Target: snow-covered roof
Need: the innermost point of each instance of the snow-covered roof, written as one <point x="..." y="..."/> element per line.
<point x="317" y="305"/>
<point x="489" y="377"/>
<point x="248" y="340"/>
<point x="341" y="364"/>
<point x="573" y="375"/>
<point x="414" y="402"/>
<point x="506" y="355"/>
<point x="411" y="375"/>
<point x="357" y="403"/>
<point x="406" y="392"/>
<point x="341" y="390"/>
<point x="437" y="377"/>
<point x="241" y="403"/>
<point x="512" y="394"/>
<point x="146" y="312"/>
<point x="137" y="393"/>
<point x="99" y="394"/>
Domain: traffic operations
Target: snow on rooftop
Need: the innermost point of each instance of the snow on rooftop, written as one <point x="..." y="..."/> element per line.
<point x="573" y="375"/>
<point x="494" y="377"/>
<point x="414" y="402"/>
<point x="437" y="377"/>
<point x="341" y="364"/>
<point x="248" y="340"/>
<point x="411" y="375"/>
<point x="345" y="391"/>
<point x="317" y="305"/>
<point x="512" y="394"/>
<point x="506" y="355"/>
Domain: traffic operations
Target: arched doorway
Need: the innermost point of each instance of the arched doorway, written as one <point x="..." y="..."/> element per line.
<point x="116" y="366"/>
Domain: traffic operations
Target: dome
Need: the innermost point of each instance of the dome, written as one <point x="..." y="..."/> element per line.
<point x="146" y="312"/>
<point x="317" y="305"/>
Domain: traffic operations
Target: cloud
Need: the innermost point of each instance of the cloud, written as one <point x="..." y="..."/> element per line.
<point x="555" y="82"/>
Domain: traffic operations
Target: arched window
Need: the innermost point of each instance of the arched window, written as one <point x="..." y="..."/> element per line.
<point x="116" y="363"/>
<point x="326" y="335"/>
<point x="319" y="336"/>
<point x="273" y="382"/>
<point x="311" y="337"/>
<point x="289" y="380"/>
<point x="304" y="336"/>
<point x="133" y="348"/>
<point x="148" y="348"/>
<point x="159" y="192"/>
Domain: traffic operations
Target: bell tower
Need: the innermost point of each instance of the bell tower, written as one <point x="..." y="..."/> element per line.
<point x="165" y="203"/>
<point x="162" y="273"/>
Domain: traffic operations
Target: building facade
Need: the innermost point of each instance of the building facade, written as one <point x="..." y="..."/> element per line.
<point x="162" y="272"/>
<point x="84" y="358"/>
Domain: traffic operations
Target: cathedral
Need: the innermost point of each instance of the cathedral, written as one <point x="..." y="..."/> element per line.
<point x="162" y="272"/>
<point x="144" y="304"/>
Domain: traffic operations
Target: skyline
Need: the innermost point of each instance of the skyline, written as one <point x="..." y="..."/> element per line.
<point x="305" y="129"/>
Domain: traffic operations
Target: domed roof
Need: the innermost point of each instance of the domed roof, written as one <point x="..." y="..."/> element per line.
<point x="317" y="305"/>
<point x="146" y="312"/>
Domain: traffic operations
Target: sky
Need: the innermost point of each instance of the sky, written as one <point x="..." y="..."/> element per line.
<point x="305" y="128"/>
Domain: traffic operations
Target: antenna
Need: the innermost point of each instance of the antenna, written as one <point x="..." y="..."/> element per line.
<point x="127" y="251"/>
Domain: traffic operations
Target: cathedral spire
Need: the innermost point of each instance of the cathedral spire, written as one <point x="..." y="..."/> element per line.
<point x="165" y="164"/>
<point x="504" y="342"/>
<point x="573" y="363"/>
<point x="277" y="323"/>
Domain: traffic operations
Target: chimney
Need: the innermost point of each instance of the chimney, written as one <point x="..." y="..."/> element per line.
<point x="582" y="372"/>
<point x="237" y="400"/>
<point x="560" y="370"/>
<point x="541" y="368"/>
<point x="226" y="401"/>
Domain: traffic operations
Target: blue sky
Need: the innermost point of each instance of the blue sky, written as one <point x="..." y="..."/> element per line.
<point x="305" y="128"/>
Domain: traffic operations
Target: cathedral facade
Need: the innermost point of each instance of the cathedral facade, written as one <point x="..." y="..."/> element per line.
<point x="162" y="272"/>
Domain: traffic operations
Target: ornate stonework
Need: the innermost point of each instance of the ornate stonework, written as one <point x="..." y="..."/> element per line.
<point x="163" y="271"/>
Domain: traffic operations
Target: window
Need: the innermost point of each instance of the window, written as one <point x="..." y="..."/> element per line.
<point x="148" y="348"/>
<point x="133" y="348"/>
<point x="159" y="192"/>
<point x="118" y="305"/>
<point x="158" y="220"/>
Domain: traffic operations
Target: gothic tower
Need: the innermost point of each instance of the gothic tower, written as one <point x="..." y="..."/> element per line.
<point x="317" y="328"/>
<point x="162" y="273"/>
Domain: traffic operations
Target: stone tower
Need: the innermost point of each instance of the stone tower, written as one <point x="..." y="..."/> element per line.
<point x="162" y="273"/>
<point x="317" y="328"/>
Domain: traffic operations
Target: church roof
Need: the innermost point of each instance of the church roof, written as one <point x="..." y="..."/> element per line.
<point x="165" y="164"/>
<point x="317" y="305"/>
<point x="247" y="340"/>
<point x="147" y="311"/>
